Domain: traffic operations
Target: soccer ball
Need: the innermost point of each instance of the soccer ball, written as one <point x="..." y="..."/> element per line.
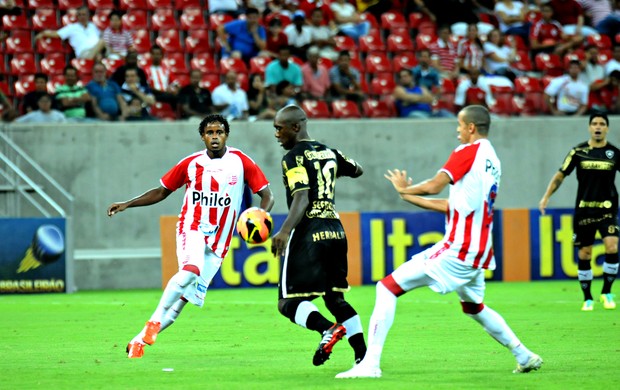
<point x="254" y="225"/>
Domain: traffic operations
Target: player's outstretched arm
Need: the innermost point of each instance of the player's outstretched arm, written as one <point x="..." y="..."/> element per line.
<point x="266" y="198"/>
<point x="440" y="205"/>
<point x="403" y="184"/>
<point x="554" y="184"/>
<point x="152" y="196"/>
<point x="301" y="200"/>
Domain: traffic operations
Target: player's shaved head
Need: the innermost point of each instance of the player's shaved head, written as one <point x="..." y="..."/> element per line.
<point x="479" y="116"/>
<point x="292" y="115"/>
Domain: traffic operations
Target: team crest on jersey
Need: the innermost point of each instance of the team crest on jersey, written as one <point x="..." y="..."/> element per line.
<point x="609" y="153"/>
<point x="232" y="180"/>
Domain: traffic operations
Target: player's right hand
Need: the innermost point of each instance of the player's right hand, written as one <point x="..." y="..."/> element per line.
<point x="116" y="208"/>
<point x="542" y="205"/>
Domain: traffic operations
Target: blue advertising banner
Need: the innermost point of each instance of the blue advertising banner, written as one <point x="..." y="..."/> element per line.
<point x="32" y="255"/>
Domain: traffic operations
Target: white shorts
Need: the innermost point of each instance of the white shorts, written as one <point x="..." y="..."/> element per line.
<point x="192" y="250"/>
<point x="442" y="274"/>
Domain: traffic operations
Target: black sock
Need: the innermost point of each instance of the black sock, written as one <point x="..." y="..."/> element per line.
<point x="585" y="266"/>
<point x="611" y="260"/>
<point x="359" y="346"/>
<point x="317" y="322"/>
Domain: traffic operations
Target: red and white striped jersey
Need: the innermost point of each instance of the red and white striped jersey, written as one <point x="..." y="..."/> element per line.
<point x="475" y="171"/>
<point x="213" y="193"/>
<point x="158" y="77"/>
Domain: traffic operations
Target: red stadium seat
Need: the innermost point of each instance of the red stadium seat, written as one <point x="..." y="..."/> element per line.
<point x="371" y="43"/>
<point x="601" y="41"/>
<point x="475" y="95"/>
<point x="243" y="80"/>
<point x="382" y="84"/>
<point x="345" y="42"/>
<point x="176" y="62"/>
<point x="404" y="61"/>
<point x="169" y="41"/>
<point x="378" y="63"/>
<point x="345" y="109"/>
<point x="15" y="22"/>
<point x="326" y="62"/>
<point x="393" y="20"/>
<point x="84" y="67"/>
<point x="53" y="63"/>
<point x="111" y="64"/>
<point x="163" y="111"/>
<point x="45" y="19"/>
<point x="54" y="81"/>
<point x="489" y="18"/>
<point x="20" y="41"/>
<point x="503" y="101"/>
<point x="183" y="4"/>
<point x="549" y="64"/>
<point x="100" y="4"/>
<point x="373" y="108"/>
<point x="180" y="79"/>
<point x="22" y="64"/>
<point x="24" y="85"/>
<point x="604" y="56"/>
<point x="65" y="5"/>
<point x="210" y="81"/>
<point x="164" y="19"/>
<point x="524" y="84"/>
<point x="101" y="18"/>
<point x="577" y="55"/>
<point x="533" y="16"/>
<point x="4" y="88"/>
<point x="197" y="41"/>
<point x="447" y="90"/>
<point x="204" y="62"/>
<point x="2" y="67"/>
<point x="69" y="18"/>
<point x="144" y="60"/>
<point x="193" y="19"/>
<point x="135" y="19"/>
<point x="50" y="45"/>
<point x="522" y="62"/>
<point x="316" y="108"/>
<point x="399" y="43"/>
<point x="422" y="24"/>
<point x="517" y="41"/>
<point x="216" y="20"/>
<point x="35" y="4"/>
<point x="370" y="18"/>
<point x="133" y="5"/>
<point x="423" y="41"/>
<point x="156" y="4"/>
<point x="357" y="64"/>
<point x="142" y="41"/>
<point x="259" y="64"/>
<point x="234" y="64"/>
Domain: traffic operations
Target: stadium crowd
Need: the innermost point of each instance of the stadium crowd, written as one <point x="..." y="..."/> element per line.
<point x="245" y="59"/>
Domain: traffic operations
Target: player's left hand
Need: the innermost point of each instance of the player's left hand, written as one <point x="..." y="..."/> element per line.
<point x="399" y="179"/>
<point x="278" y="243"/>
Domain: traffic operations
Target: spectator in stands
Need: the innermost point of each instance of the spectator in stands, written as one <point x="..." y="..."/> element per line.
<point x="131" y="62"/>
<point x="230" y="7"/>
<point x="606" y="98"/>
<point x="31" y="99"/>
<point x="469" y="50"/>
<point x="322" y="36"/>
<point x="512" y="18"/>
<point x="7" y="8"/>
<point x="243" y="38"/>
<point x="258" y="99"/>
<point x="348" y="20"/>
<point x="345" y="80"/>
<point x="316" y="82"/>
<point x="8" y="112"/>
<point x="593" y="73"/>
<point x="298" y="34"/>
<point x="456" y="14"/>
<point x="285" y="95"/>
<point x="72" y="98"/>
<point x="310" y="5"/>
<point x="413" y="101"/>
<point x="229" y="99"/>
<point x="282" y="7"/>
<point x="84" y="37"/>
<point x="194" y="100"/>
<point x="117" y="41"/>
<point x="546" y="35"/>
<point x="158" y="76"/>
<point x="136" y="112"/>
<point x="424" y="74"/>
<point x="498" y="56"/>
<point x="283" y="69"/>
<point x="614" y="63"/>
<point x="570" y="15"/>
<point x="474" y="89"/>
<point x="44" y="113"/>
<point x="132" y="88"/>
<point x="275" y="38"/>
<point x="567" y="95"/>
<point x="602" y="17"/>
<point x="107" y="99"/>
<point x="444" y="54"/>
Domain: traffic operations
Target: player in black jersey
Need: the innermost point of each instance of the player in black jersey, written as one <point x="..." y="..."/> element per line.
<point x="312" y="241"/>
<point x="596" y="207"/>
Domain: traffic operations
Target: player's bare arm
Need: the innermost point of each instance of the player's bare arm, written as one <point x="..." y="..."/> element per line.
<point x="554" y="184"/>
<point x="296" y="212"/>
<point x="266" y="198"/>
<point x="152" y="196"/>
<point x="403" y="184"/>
<point x="440" y="205"/>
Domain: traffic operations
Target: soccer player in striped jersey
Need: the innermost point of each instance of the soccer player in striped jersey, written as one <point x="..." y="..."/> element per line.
<point x="458" y="261"/>
<point x="214" y="181"/>
<point x="596" y="162"/>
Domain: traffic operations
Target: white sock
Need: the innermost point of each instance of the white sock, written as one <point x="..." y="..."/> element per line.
<point x="495" y="325"/>
<point x="381" y="321"/>
<point x="353" y="326"/>
<point x="303" y="312"/>
<point x="172" y="293"/>
<point x="171" y="315"/>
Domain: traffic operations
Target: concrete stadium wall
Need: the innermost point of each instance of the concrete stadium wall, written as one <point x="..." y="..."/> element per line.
<point x="101" y="163"/>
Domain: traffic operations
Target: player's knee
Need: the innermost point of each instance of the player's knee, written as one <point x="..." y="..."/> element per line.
<point x="472" y="308"/>
<point x="191" y="268"/>
<point x="390" y="284"/>
<point x="584" y="265"/>
<point x="288" y="307"/>
<point x="183" y="278"/>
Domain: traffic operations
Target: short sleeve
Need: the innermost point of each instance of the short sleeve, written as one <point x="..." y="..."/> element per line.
<point x="569" y="164"/>
<point x="65" y="32"/>
<point x="346" y="166"/>
<point x="176" y="177"/>
<point x="460" y="161"/>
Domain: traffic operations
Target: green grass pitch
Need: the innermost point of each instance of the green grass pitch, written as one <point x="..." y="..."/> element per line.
<point x="240" y="341"/>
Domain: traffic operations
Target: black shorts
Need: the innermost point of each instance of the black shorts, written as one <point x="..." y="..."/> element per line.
<point x="586" y="226"/>
<point x="315" y="261"/>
